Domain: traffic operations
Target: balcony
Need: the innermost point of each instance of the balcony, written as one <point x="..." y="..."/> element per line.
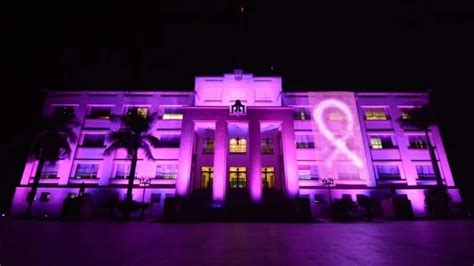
<point x="420" y="154"/>
<point x="378" y="124"/>
<point x="97" y="123"/>
<point x="90" y="152"/>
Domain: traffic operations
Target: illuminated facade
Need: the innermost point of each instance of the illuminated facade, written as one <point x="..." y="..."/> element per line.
<point x="287" y="141"/>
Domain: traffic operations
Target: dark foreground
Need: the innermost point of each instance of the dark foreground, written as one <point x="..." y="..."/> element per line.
<point x="101" y="243"/>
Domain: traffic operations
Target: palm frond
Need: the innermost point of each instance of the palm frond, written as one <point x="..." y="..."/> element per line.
<point x="154" y="141"/>
<point x="146" y="149"/>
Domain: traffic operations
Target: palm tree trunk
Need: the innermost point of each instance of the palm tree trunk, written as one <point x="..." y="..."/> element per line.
<point x="34" y="187"/>
<point x="434" y="161"/>
<point x="131" y="179"/>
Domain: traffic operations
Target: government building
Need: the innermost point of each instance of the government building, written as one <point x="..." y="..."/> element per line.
<point x="243" y="132"/>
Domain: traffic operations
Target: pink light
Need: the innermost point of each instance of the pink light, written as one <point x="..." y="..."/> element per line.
<point x="339" y="143"/>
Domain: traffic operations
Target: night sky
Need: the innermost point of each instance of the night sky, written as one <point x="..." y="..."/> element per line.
<point x="314" y="45"/>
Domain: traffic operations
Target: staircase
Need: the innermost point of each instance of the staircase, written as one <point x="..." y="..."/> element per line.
<point x="274" y="207"/>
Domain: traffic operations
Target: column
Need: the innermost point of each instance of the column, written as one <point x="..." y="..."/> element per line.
<point x="289" y="158"/>
<point x="220" y="161"/>
<point x="442" y="158"/>
<point x="183" y="178"/>
<point x="409" y="170"/>
<point x="255" y="163"/>
<point x="65" y="166"/>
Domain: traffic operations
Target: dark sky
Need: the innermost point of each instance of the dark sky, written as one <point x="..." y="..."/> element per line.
<point x="313" y="45"/>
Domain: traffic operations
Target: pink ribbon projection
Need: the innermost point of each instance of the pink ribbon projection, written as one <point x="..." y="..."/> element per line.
<point x="339" y="143"/>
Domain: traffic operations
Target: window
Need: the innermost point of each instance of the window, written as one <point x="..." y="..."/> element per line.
<point x="238" y="177"/>
<point x="45" y="196"/>
<point x="100" y="112"/>
<point x="308" y="172"/>
<point x="268" y="177"/>
<point x="93" y="140"/>
<point x="169" y="141"/>
<point x="267" y="146"/>
<point x="86" y="171"/>
<point x="142" y="111"/>
<point x="172" y="113"/>
<point x="237" y="145"/>
<point x="375" y="114"/>
<point x="381" y="142"/>
<point x="50" y="170"/>
<point x="348" y="172"/>
<point x="304" y="142"/>
<point x="425" y="172"/>
<point x="66" y="111"/>
<point x="302" y="114"/>
<point x="122" y="171"/>
<point x="155" y="197"/>
<point x="208" y="145"/>
<point x="166" y="171"/>
<point x="388" y="172"/>
<point x="418" y="142"/>
<point x="207" y="176"/>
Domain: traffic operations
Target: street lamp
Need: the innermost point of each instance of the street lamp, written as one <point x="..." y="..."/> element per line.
<point x="328" y="182"/>
<point x="144" y="182"/>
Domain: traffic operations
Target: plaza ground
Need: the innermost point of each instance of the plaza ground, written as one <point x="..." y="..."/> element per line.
<point x="146" y="243"/>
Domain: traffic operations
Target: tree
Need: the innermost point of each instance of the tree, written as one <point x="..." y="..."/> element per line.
<point x="51" y="145"/>
<point x="422" y="118"/>
<point x="133" y="136"/>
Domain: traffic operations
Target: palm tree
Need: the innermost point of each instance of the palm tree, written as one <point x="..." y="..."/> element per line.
<point x="133" y="136"/>
<point x="51" y="145"/>
<point x="422" y="118"/>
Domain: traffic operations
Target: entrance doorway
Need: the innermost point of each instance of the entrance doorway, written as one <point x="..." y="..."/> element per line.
<point x="238" y="177"/>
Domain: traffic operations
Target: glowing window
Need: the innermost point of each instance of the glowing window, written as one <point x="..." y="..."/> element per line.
<point x="172" y="113"/>
<point x="207" y="176"/>
<point x="238" y="145"/>
<point x="238" y="177"/>
<point x="172" y="116"/>
<point x="375" y="114"/>
<point x="86" y="171"/>
<point x="142" y="111"/>
<point x="336" y="116"/>
<point x="268" y="177"/>
<point x="381" y="142"/>
<point x="376" y="143"/>
<point x="418" y="142"/>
